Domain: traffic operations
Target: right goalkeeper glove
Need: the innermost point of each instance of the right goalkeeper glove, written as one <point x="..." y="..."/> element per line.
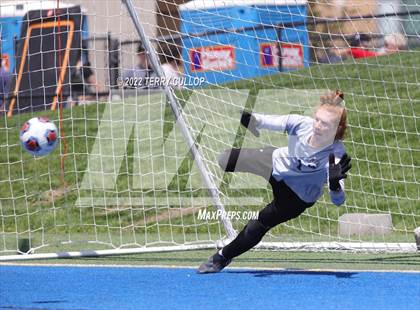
<point x="249" y="121"/>
<point x="336" y="172"/>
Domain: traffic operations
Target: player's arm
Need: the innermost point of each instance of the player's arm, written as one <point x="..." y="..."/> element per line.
<point x="337" y="172"/>
<point x="285" y="123"/>
<point x="249" y="121"/>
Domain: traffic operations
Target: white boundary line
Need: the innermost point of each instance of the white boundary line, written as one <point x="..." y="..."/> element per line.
<point x="195" y="267"/>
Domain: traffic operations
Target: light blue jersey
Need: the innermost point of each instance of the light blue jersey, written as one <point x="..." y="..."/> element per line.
<point x="301" y="166"/>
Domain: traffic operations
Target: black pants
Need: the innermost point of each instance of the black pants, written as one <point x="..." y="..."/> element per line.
<point x="285" y="206"/>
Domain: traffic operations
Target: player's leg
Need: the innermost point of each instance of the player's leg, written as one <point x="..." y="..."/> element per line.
<point x="256" y="161"/>
<point x="250" y="236"/>
<point x="285" y="206"/>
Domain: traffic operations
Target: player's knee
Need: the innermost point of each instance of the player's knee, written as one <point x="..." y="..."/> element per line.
<point x="255" y="230"/>
<point x="227" y="160"/>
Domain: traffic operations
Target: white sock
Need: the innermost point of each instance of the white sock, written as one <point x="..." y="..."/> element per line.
<point x="220" y="252"/>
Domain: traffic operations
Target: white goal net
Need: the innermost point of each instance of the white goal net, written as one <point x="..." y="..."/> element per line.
<point x="147" y="94"/>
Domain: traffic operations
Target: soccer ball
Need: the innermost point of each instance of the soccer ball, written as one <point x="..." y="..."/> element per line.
<point x="39" y="136"/>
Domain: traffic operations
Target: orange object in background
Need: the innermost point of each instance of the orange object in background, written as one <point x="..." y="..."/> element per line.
<point x="358" y="52"/>
<point x="5" y="62"/>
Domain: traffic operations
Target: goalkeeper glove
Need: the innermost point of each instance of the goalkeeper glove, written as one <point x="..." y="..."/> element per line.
<point x="249" y="121"/>
<point x="336" y="172"/>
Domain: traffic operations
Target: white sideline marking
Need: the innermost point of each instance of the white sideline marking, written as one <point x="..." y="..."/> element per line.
<point x="195" y="267"/>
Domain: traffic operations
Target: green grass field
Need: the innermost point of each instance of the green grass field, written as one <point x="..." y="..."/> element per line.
<point x="126" y="163"/>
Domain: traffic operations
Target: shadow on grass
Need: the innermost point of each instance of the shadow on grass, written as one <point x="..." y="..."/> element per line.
<point x="269" y="273"/>
<point x="412" y="260"/>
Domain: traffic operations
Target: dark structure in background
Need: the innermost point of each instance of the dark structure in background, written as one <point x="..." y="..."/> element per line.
<point x="40" y="75"/>
<point x="168" y="25"/>
<point x="48" y="47"/>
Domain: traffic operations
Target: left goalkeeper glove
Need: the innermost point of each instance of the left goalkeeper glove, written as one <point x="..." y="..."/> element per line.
<point x="336" y="172"/>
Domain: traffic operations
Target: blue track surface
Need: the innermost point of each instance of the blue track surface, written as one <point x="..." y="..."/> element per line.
<point x="29" y="287"/>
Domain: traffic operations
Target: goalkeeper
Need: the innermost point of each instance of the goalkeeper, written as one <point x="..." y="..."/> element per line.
<point x="315" y="155"/>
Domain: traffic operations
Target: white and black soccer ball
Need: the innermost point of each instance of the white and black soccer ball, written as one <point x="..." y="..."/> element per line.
<point x="39" y="136"/>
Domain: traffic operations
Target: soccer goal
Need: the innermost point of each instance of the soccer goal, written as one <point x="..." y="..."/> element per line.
<point x="147" y="94"/>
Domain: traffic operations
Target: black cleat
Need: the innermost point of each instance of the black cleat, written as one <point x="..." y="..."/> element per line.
<point x="215" y="264"/>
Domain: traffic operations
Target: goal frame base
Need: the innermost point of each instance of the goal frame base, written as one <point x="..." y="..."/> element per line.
<point x="356" y="247"/>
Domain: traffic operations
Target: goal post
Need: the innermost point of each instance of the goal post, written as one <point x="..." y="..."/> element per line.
<point x="152" y="95"/>
<point x="172" y="100"/>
